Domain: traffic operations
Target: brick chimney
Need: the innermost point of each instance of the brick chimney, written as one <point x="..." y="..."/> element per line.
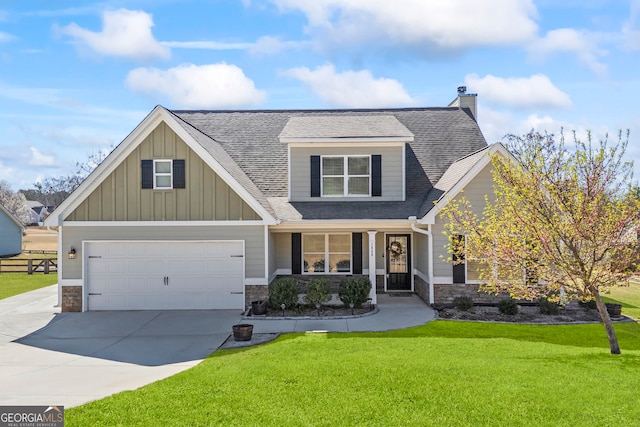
<point x="466" y="100"/>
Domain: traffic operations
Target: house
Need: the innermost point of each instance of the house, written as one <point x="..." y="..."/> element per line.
<point x="38" y="212"/>
<point x="204" y="209"/>
<point x="11" y="231"/>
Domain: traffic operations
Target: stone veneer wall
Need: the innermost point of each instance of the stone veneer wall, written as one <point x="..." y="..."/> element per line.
<point x="71" y="298"/>
<point x="255" y="293"/>
<point x="421" y="288"/>
<point x="444" y="294"/>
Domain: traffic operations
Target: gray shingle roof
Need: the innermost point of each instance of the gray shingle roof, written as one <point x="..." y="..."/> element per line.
<point x="251" y="140"/>
<point x="345" y="127"/>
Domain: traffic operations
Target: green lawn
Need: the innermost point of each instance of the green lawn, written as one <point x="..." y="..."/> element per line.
<point x="629" y="297"/>
<point x="445" y="373"/>
<point x="16" y="283"/>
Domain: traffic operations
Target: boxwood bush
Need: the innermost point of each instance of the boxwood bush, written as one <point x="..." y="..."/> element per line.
<point x="284" y="291"/>
<point x="318" y="292"/>
<point x="354" y="290"/>
<point x="463" y="303"/>
<point x="508" y="306"/>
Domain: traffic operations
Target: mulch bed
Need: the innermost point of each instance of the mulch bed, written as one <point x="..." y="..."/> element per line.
<point x="526" y="314"/>
<point x="326" y="311"/>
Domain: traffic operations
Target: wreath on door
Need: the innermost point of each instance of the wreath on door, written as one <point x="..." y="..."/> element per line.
<point x="395" y="249"/>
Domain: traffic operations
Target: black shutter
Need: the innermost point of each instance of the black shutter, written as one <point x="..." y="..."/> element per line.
<point x="458" y="269"/>
<point x="315" y="176"/>
<point x="376" y="175"/>
<point x="296" y="253"/>
<point x="356" y="250"/>
<point x="179" y="174"/>
<point x="147" y="173"/>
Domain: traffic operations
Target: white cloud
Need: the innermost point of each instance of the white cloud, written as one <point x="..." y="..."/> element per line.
<point x="536" y="91"/>
<point x="40" y="159"/>
<point x="631" y="28"/>
<point x="125" y="33"/>
<point x="6" y="37"/>
<point x="192" y="86"/>
<point x="568" y="40"/>
<point x="268" y="45"/>
<point x="208" y="45"/>
<point x="352" y="89"/>
<point x="429" y="25"/>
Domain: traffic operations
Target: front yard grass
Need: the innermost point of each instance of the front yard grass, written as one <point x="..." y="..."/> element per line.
<point x="16" y="283"/>
<point x="444" y="373"/>
<point x="628" y="296"/>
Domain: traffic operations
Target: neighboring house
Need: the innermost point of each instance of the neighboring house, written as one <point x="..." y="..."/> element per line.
<point x="11" y="231"/>
<point x="204" y="209"/>
<point x="38" y="212"/>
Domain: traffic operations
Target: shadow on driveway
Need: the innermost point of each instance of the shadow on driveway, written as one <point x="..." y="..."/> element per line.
<point x="148" y="338"/>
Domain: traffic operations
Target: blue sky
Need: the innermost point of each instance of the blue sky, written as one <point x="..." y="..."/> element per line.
<point x="77" y="76"/>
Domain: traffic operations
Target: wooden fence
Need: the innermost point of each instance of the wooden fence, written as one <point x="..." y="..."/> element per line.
<point x="29" y="266"/>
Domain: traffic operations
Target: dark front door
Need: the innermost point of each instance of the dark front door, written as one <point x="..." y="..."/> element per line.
<point x="398" y="262"/>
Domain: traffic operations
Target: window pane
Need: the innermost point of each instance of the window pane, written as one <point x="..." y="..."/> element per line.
<point x="474" y="268"/>
<point x="359" y="185"/>
<point x="314" y="243"/>
<point x="163" y="181"/>
<point x="332" y="166"/>
<point x="340" y="243"/>
<point x="163" y="167"/>
<point x="332" y="186"/>
<point x="339" y="263"/>
<point x="313" y="263"/>
<point x="358" y="165"/>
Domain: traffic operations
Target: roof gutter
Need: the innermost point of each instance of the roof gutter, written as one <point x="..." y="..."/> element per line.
<point x="429" y="235"/>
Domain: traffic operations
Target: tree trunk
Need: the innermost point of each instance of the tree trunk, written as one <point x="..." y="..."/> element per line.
<point x="606" y="320"/>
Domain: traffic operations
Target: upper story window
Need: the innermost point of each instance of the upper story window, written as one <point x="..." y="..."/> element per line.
<point x="162" y="174"/>
<point x="346" y="176"/>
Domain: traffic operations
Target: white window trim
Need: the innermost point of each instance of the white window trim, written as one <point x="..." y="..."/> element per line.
<point x="158" y="174"/>
<point x="345" y="176"/>
<point x="327" y="253"/>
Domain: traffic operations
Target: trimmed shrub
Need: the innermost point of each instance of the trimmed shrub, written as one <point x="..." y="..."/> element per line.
<point x="548" y="307"/>
<point x="354" y="290"/>
<point x="463" y="303"/>
<point x="508" y="306"/>
<point x="283" y="291"/>
<point x="318" y="292"/>
<point x="589" y="304"/>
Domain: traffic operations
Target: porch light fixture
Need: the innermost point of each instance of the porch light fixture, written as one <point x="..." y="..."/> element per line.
<point x="72" y="253"/>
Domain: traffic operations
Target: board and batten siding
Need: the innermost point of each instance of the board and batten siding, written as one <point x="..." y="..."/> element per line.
<point x="120" y="196"/>
<point x="253" y="237"/>
<point x="301" y="171"/>
<point x="10" y="236"/>
<point x="475" y="192"/>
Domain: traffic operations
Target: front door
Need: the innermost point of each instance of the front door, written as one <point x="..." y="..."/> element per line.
<point x="398" y="262"/>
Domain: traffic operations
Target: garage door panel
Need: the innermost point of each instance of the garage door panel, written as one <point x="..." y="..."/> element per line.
<point x="131" y="275"/>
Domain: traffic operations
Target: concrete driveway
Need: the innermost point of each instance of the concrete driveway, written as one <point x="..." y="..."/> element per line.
<point x="74" y="358"/>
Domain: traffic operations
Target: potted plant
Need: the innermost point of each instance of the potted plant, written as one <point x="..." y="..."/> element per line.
<point x="242" y="332"/>
<point x="259" y="308"/>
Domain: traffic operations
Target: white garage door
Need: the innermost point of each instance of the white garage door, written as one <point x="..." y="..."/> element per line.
<point x="164" y="275"/>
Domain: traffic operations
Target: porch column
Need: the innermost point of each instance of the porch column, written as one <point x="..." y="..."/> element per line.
<point x="372" y="265"/>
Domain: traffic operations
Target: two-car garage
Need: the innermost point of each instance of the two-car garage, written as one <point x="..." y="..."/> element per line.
<point x="159" y="275"/>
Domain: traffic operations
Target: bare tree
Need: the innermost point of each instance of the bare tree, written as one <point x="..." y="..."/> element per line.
<point x="15" y="203"/>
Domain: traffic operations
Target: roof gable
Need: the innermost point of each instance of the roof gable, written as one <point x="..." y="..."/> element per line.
<point x="12" y="217"/>
<point x="129" y="144"/>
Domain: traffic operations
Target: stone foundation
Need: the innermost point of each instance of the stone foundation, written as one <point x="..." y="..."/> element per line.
<point x="255" y="293"/>
<point x="421" y="288"/>
<point x="444" y="294"/>
<point x="71" y="298"/>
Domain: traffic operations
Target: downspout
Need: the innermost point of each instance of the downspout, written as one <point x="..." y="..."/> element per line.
<point x="429" y="235"/>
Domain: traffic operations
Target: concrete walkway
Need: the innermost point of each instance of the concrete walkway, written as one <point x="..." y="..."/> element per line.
<point x="53" y="358"/>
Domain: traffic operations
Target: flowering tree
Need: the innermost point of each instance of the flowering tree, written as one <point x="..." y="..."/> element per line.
<point x="15" y="203"/>
<point x="563" y="222"/>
